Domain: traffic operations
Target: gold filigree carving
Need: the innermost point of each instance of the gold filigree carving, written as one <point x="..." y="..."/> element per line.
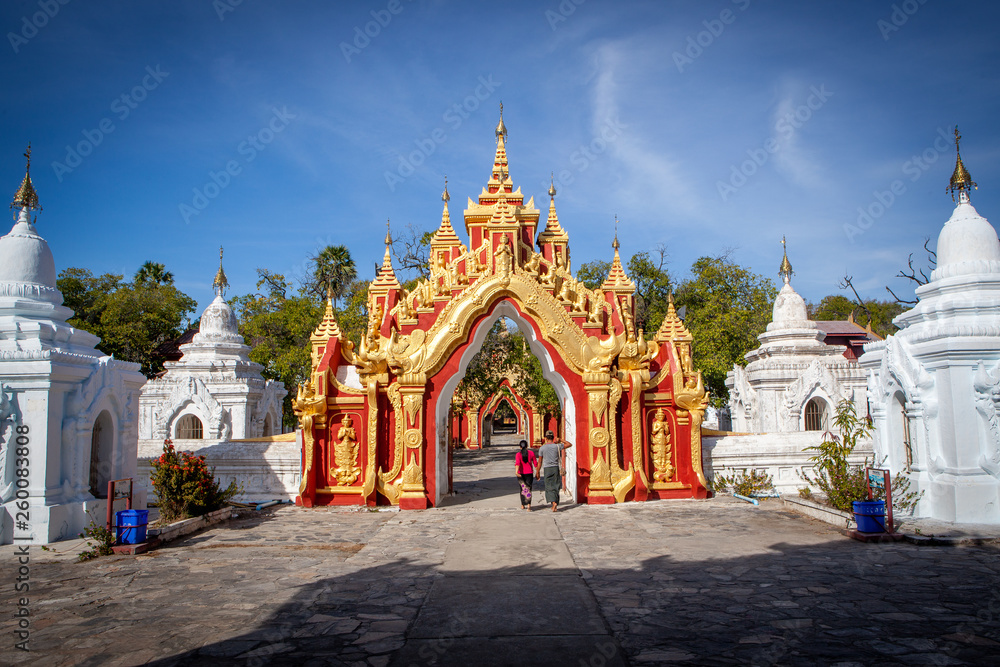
<point x="660" y="437"/>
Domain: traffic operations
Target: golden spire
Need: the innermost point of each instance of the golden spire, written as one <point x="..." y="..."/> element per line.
<point x="327" y="327"/>
<point x="501" y="130"/>
<point x="617" y="279"/>
<point x="26" y="197"/>
<point x="386" y="274"/>
<point x="552" y="188"/>
<point x="785" y="270"/>
<point x="445" y="234"/>
<point x="553" y="232"/>
<point x="961" y="180"/>
<point x="220" y="283"/>
<point x="672" y="327"/>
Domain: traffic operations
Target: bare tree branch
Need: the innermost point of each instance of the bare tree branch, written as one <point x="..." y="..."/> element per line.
<point x="411" y="251"/>
<point x="848" y="282"/>
<point x="902" y="301"/>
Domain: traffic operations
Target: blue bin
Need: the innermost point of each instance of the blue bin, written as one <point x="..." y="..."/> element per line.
<point x="870" y="516"/>
<point x="131" y="528"/>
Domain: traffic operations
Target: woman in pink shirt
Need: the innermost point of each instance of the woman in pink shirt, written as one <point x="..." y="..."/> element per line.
<point x="525" y="464"/>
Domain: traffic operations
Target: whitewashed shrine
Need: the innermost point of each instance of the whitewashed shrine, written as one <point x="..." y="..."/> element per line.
<point x="934" y="386"/>
<point x="68" y="406"/>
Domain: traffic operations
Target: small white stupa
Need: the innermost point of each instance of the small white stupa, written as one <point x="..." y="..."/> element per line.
<point x="798" y="375"/>
<point x="934" y="386"/>
<point x="67" y="411"/>
<point x="214" y="392"/>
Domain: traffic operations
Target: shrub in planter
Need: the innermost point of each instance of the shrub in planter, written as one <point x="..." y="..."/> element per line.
<point x="841" y="482"/>
<point x="185" y="486"/>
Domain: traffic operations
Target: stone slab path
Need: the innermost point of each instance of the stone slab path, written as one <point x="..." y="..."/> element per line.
<point x="481" y="582"/>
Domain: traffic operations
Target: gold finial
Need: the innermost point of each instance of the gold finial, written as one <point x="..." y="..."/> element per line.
<point x="961" y="180"/>
<point x="388" y="235"/>
<point x="552" y="188"/>
<point x="785" y="270"/>
<point x="445" y="197"/>
<point x="501" y="130"/>
<point x="26" y="197"/>
<point x="220" y="283"/>
<point x="615" y="244"/>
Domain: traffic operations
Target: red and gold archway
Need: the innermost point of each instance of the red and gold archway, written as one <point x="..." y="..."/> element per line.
<point x="375" y="419"/>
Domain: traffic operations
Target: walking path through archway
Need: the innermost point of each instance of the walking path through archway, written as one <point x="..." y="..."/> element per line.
<point x="715" y="582"/>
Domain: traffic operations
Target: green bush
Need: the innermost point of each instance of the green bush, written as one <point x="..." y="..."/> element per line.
<point x="743" y="484"/>
<point x="185" y="486"/>
<point x="841" y="482"/>
<point x="104" y="538"/>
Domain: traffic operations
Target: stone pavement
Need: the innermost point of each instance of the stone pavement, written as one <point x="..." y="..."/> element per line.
<point x="482" y="582"/>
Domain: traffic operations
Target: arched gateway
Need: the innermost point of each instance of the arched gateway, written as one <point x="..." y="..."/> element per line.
<point x="374" y="420"/>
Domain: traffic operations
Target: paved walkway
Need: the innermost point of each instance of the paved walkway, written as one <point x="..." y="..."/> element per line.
<point x="481" y="582"/>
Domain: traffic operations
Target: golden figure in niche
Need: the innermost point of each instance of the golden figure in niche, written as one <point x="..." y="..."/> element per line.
<point x="660" y="437"/>
<point x="346" y="450"/>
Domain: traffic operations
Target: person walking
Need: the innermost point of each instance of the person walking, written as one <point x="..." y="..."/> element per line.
<point x="525" y="467"/>
<point x="551" y="454"/>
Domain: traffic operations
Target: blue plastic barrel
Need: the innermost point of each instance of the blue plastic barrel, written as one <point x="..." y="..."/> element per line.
<point x="131" y="528"/>
<point x="870" y="516"/>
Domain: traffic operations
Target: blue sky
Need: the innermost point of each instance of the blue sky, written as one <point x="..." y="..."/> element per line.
<point x="704" y="126"/>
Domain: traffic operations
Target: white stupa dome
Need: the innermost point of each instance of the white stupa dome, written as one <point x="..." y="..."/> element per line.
<point x="789" y="309"/>
<point x="25" y="257"/>
<point x="967" y="244"/>
<point x="218" y="323"/>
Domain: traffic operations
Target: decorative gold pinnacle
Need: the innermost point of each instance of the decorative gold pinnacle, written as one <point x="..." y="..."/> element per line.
<point x="615" y="244"/>
<point x="220" y="283"/>
<point x="785" y="270"/>
<point x="501" y="128"/>
<point x="961" y="180"/>
<point x="445" y="197"/>
<point x="552" y="188"/>
<point x="26" y="197"/>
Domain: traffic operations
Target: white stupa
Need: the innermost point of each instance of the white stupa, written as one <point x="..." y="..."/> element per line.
<point x="934" y="386"/>
<point x="795" y="379"/>
<point x="69" y="406"/>
<point x="214" y="392"/>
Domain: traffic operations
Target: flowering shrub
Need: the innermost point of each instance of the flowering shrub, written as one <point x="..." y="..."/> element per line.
<point x="185" y="486"/>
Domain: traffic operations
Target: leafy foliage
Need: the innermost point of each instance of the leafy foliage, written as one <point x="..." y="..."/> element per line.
<point x="652" y="288"/>
<point x="333" y="270"/>
<point x="103" y="541"/>
<point x="728" y="306"/>
<point x="879" y="313"/>
<point x="277" y="327"/>
<point x="505" y="354"/>
<point x="744" y="484"/>
<point x="131" y="318"/>
<point x="185" y="486"/>
<point x="841" y="482"/>
<point x="592" y="274"/>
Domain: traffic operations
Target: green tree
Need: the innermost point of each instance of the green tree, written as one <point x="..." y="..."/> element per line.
<point x="592" y="274"/>
<point x="728" y="306"/>
<point x="153" y="273"/>
<point x="652" y="288"/>
<point x="277" y="327"/>
<point x="132" y="319"/>
<point x="333" y="272"/>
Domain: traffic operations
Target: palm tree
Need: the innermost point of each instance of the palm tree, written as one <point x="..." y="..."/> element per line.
<point x="153" y="273"/>
<point x="334" y="271"/>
